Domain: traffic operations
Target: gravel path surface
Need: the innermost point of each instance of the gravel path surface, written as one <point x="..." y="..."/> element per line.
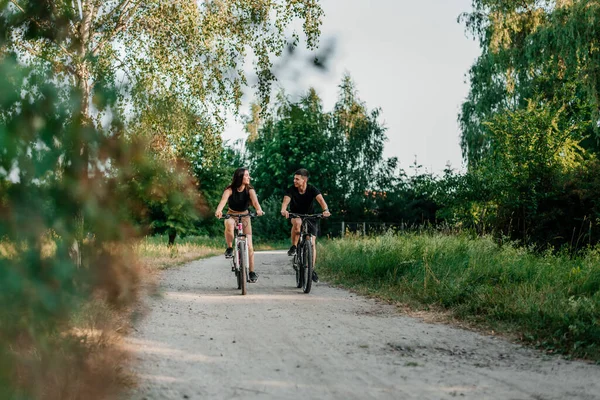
<point x="202" y="340"/>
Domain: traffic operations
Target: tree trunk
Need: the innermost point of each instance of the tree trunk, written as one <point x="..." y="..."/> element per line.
<point x="81" y="149"/>
<point x="172" y="235"/>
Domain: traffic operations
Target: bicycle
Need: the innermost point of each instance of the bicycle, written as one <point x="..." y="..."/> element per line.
<point x="303" y="259"/>
<point x="239" y="262"/>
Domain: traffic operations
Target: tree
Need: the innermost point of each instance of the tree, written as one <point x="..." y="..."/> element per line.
<point x="295" y="136"/>
<point x="542" y="50"/>
<point x="147" y="50"/>
<point x="360" y="139"/>
<point x="342" y="149"/>
<point x="192" y="51"/>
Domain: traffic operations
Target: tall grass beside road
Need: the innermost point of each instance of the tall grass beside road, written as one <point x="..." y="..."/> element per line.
<point x="550" y="300"/>
<point x="156" y="254"/>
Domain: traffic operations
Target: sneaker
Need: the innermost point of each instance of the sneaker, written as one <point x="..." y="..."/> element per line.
<point x="253" y="276"/>
<point x="229" y="252"/>
<point x="315" y="277"/>
<point x="292" y="251"/>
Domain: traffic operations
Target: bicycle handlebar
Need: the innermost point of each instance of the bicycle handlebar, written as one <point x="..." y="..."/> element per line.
<point x="227" y="216"/>
<point x="305" y="216"/>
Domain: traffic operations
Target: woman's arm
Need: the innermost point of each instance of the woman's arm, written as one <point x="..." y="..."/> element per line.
<point x="224" y="198"/>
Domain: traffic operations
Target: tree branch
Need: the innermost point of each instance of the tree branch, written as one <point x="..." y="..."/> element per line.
<point x="64" y="50"/>
<point x="121" y="24"/>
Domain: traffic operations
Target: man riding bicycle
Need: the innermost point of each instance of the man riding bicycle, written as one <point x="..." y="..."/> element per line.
<point x="300" y="197"/>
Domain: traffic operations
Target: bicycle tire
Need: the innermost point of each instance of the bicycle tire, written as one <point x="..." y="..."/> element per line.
<point x="297" y="268"/>
<point x="307" y="266"/>
<point x="242" y="279"/>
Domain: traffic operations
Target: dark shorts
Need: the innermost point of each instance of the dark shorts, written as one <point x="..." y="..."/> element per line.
<point x="246" y="222"/>
<point x="313" y="226"/>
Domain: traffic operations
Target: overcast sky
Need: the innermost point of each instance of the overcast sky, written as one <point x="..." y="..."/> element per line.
<point x="407" y="57"/>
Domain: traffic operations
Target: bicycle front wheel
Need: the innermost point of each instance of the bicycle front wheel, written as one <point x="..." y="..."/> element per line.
<point x="297" y="269"/>
<point x="242" y="277"/>
<point x="307" y="267"/>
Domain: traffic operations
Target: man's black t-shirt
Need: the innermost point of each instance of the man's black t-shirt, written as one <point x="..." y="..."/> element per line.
<point x="302" y="203"/>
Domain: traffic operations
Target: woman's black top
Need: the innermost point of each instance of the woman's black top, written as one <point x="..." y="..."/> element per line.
<point x="239" y="201"/>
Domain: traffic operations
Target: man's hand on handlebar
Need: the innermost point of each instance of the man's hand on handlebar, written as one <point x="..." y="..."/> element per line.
<point x="285" y="213"/>
<point x="326" y="214"/>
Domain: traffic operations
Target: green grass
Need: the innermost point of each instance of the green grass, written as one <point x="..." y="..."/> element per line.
<point x="552" y="301"/>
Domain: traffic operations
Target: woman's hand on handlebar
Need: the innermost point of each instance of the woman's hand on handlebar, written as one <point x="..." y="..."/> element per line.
<point x="219" y="213"/>
<point x="260" y="213"/>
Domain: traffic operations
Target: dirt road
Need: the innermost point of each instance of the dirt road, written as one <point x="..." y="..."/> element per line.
<point x="202" y="340"/>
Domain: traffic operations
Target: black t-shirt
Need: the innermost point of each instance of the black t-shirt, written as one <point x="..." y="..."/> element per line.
<point x="239" y="201"/>
<point x="302" y="203"/>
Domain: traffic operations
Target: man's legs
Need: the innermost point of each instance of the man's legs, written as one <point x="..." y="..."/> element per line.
<point x="295" y="234"/>
<point x="314" y="242"/>
<point x="315" y="277"/>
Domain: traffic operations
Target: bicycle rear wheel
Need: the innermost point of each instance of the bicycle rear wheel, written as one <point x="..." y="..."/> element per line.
<point x="307" y="266"/>
<point x="242" y="277"/>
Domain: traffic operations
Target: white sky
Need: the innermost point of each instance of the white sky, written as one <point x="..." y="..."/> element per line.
<point x="410" y="58"/>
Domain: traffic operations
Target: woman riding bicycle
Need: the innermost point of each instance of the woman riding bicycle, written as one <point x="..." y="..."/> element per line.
<point x="238" y="195"/>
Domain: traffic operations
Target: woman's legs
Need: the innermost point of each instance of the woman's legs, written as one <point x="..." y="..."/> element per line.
<point x="250" y="252"/>
<point x="229" y="224"/>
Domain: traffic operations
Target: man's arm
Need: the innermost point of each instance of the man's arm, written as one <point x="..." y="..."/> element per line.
<point x="323" y="205"/>
<point x="284" y="206"/>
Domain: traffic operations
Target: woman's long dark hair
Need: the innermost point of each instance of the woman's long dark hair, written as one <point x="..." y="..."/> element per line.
<point x="238" y="177"/>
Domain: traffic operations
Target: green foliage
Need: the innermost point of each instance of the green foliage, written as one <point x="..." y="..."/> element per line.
<point x="47" y="270"/>
<point x="529" y="123"/>
<point x="542" y="51"/>
<point x="294" y="137"/>
<point x="168" y="196"/>
<point x="342" y="149"/>
<point x="188" y="51"/>
<point x="271" y="226"/>
<point x="550" y="300"/>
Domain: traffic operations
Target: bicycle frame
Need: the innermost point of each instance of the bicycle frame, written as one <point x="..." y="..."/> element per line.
<point x="303" y="260"/>
<point x="240" y="261"/>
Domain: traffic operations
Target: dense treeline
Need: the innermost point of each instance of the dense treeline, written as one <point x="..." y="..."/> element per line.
<point x="530" y="122"/>
<point x="529" y="137"/>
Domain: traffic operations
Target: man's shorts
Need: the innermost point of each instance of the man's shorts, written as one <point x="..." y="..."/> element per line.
<point x="313" y="226"/>
<point x="246" y="223"/>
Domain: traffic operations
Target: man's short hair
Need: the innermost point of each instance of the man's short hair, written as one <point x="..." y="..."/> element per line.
<point x="302" y="172"/>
